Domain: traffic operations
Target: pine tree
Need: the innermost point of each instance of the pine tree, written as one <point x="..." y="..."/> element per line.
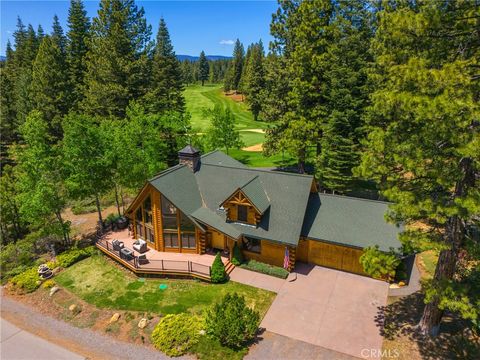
<point x="166" y="91"/>
<point x="58" y="36"/>
<point x="117" y="60"/>
<point x="322" y="52"/>
<point x="423" y="143"/>
<point x="8" y="123"/>
<point x="26" y="47"/>
<point x="254" y="78"/>
<point x="242" y="85"/>
<point x="77" y="47"/>
<point x="237" y="64"/>
<point x="203" y="68"/>
<point x="49" y="90"/>
<point x="40" y="33"/>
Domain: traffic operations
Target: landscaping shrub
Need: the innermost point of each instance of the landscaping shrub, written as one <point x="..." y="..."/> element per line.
<point x="176" y="334"/>
<point x="232" y="322"/>
<point x="28" y="280"/>
<point x="237" y="256"/>
<point x="70" y="257"/>
<point x="266" y="269"/>
<point x="47" y="284"/>
<point x="378" y="264"/>
<point x="15" y="258"/>
<point x="218" y="274"/>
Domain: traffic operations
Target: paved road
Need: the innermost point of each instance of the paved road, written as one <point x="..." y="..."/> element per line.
<point x="17" y="344"/>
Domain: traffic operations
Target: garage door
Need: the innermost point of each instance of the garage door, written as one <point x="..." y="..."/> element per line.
<point x="329" y="255"/>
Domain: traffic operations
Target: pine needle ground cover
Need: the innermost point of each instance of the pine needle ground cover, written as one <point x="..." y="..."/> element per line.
<point x="104" y="285"/>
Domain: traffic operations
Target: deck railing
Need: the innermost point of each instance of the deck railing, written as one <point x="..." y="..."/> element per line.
<point x="156" y="266"/>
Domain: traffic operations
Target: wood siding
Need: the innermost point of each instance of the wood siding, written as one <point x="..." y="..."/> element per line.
<point x="330" y="255"/>
<point x="270" y="253"/>
<point x="253" y="216"/>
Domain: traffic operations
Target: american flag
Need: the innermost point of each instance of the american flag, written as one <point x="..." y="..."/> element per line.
<point x="286" y="260"/>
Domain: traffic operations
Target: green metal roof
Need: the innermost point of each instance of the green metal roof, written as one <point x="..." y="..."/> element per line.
<point x="179" y="186"/>
<point x="212" y="219"/>
<point x="287" y="195"/>
<point x="253" y="189"/>
<point x="349" y="221"/>
<point x="283" y="199"/>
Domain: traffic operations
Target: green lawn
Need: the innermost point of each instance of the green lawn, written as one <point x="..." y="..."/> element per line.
<point x="199" y="98"/>
<point x="102" y="284"/>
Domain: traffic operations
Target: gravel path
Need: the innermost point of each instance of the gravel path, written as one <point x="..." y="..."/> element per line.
<point x="85" y="342"/>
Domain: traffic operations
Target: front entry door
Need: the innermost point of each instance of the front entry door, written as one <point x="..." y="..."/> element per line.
<point x="218" y="240"/>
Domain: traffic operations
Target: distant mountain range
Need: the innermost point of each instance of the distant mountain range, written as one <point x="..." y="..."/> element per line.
<point x="209" y="57"/>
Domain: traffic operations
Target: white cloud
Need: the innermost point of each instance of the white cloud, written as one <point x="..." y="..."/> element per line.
<point x="227" y="42"/>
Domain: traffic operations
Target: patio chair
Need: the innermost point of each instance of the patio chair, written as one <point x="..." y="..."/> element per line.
<point x="117" y="245"/>
<point x="140" y="246"/>
<point x="142" y="259"/>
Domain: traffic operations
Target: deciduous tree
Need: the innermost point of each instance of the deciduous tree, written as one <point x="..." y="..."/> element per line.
<point x="41" y="190"/>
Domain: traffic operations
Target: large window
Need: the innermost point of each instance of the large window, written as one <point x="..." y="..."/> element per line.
<point x="252" y="244"/>
<point x="170" y="239"/>
<point x="169" y="215"/>
<point x="144" y="221"/>
<point x="187" y="229"/>
<point x="242" y="212"/>
<point x="188" y="241"/>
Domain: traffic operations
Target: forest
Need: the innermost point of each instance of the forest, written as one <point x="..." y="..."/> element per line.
<point x="386" y="92"/>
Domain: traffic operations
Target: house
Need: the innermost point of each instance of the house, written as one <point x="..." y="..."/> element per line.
<point x="211" y="202"/>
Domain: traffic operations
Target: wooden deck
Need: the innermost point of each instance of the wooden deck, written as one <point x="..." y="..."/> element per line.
<point x="162" y="263"/>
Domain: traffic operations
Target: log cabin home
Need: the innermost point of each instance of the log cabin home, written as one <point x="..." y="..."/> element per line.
<point x="210" y="202"/>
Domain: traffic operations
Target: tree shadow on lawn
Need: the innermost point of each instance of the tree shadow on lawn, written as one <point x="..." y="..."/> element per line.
<point x="398" y="323"/>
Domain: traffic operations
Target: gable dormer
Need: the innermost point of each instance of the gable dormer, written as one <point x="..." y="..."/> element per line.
<point x="247" y="204"/>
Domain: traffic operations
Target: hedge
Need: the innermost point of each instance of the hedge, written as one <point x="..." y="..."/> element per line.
<point x="267" y="269"/>
<point x="28" y="280"/>
<point x="70" y="257"/>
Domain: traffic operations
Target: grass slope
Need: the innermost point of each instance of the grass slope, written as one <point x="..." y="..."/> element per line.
<point x="199" y="98"/>
<point x="102" y="284"/>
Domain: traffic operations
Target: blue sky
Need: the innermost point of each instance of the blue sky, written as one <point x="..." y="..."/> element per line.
<point x="194" y="26"/>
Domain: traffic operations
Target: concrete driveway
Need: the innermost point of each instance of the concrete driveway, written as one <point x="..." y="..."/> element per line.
<point x="329" y="308"/>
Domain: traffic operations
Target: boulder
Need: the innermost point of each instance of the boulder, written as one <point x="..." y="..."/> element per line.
<point x="53" y="290"/>
<point x="114" y="318"/>
<point x="73" y="307"/>
<point x="143" y="323"/>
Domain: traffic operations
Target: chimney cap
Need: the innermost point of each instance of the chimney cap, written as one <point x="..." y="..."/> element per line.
<point x="189" y="150"/>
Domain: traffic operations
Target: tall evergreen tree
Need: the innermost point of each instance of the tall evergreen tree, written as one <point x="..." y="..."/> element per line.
<point x="324" y="48"/>
<point x="40" y="33"/>
<point x="423" y="142"/>
<point x="49" y="89"/>
<point x="58" y="36"/>
<point x="237" y="64"/>
<point x="8" y="123"/>
<point x="77" y="47"/>
<point x="203" y="68"/>
<point x="117" y="60"/>
<point x="26" y="47"/>
<point x="166" y="91"/>
<point x="254" y="78"/>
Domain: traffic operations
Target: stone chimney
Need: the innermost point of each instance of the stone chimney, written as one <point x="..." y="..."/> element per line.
<point x="190" y="157"/>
